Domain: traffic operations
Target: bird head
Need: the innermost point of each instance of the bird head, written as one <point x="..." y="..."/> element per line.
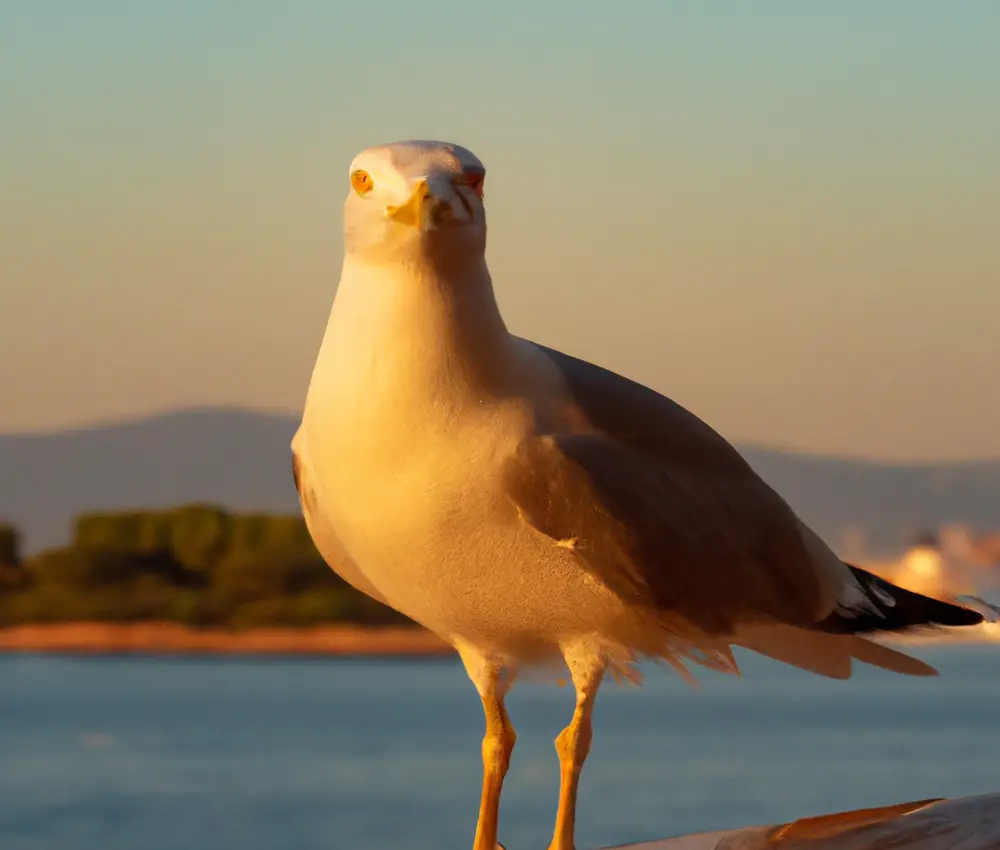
<point x="415" y="198"/>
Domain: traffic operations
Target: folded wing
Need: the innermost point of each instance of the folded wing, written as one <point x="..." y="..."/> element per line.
<point x="665" y="512"/>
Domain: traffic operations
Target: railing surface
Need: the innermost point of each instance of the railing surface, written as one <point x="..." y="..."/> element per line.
<point x="963" y="823"/>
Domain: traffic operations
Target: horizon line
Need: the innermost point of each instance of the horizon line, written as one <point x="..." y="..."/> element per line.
<point x="162" y="413"/>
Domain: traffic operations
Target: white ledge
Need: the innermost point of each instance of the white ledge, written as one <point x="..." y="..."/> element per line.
<point x="963" y="823"/>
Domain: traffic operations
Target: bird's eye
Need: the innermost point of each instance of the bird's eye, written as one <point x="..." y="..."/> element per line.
<point x="362" y="182"/>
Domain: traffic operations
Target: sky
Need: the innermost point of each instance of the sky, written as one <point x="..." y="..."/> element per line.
<point x="783" y="215"/>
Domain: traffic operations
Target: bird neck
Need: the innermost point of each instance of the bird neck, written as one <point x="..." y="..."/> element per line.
<point x="417" y="331"/>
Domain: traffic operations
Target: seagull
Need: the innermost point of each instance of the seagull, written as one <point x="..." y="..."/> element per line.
<point x="537" y="511"/>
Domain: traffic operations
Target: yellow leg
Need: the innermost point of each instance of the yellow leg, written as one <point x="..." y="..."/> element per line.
<point x="497" y="746"/>
<point x="498" y="743"/>
<point x="573" y="745"/>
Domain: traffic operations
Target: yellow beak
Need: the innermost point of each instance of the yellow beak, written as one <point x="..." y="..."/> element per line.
<point x="412" y="212"/>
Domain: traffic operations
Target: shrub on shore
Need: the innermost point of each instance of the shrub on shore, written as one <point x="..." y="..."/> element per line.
<point x="195" y="564"/>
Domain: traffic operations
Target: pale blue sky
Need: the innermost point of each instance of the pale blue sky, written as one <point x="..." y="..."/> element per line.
<point x="783" y="214"/>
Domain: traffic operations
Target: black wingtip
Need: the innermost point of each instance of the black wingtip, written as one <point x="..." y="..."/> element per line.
<point x="902" y="610"/>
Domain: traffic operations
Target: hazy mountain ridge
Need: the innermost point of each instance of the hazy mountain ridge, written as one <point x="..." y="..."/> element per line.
<point x="241" y="459"/>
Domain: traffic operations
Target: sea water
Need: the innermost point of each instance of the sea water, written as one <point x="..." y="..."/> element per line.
<point x="119" y="753"/>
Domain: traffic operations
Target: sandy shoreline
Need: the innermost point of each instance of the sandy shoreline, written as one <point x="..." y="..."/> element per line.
<point x="162" y="638"/>
<point x="173" y="638"/>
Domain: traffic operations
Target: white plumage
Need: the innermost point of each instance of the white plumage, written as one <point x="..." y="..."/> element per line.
<point x="529" y="507"/>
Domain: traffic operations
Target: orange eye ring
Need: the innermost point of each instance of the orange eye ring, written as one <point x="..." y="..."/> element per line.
<point x="475" y="180"/>
<point x="362" y="182"/>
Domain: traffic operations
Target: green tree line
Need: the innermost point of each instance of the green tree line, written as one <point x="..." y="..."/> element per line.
<point x="196" y="564"/>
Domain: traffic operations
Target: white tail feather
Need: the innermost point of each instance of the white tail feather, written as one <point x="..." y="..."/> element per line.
<point x="889" y="659"/>
<point x="827" y="654"/>
<point x="818" y="652"/>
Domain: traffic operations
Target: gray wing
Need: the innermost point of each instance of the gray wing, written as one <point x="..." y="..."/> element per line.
<point x="321" y="529"/>
<point x="666" y="512"/>
<point x="646" y="421"/>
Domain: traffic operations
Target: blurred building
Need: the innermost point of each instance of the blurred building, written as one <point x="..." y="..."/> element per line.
<point x="986" y="551"/>
<point x="946" y="563"/>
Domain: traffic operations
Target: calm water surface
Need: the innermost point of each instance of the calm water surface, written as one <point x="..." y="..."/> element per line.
<point x="123" y="753"/>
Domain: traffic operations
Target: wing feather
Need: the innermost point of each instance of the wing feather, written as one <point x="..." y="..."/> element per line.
<point x="715" y="549"/>
<point x="667" y="513"/>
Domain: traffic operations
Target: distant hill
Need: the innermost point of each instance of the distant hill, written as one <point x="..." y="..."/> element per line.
<point x="241" y="459"/>
<point x="891" y="501"/>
